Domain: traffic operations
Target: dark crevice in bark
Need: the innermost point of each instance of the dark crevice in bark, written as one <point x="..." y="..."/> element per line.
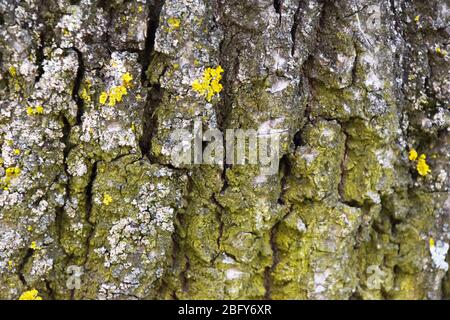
<point x="219" y="214"/>
<point x="59" y="213"/>
<point x="22" y="265"/>
<point x="298" y="19"/>
<point x="285" y="170"/>
<point x="184" y="274"/>
<point x="176" y="251"/>
<point x="154" y="12"/>
<point x="278" y="5"/>
<point x="229" y="60"/>
<point x="150" y="121"/>
<point x="88" y="209"/>
<point x="77" y="84"/>
<point x="298" y="139"/>
<point x="275" y="259"/>
<point x="295" y="27"/>
<point x="155" y="93"/>
<point x="284" y="173"/>
<point x="40" y="58"/>
<point x="49" y="289"/>
<point x="341" y="185"/>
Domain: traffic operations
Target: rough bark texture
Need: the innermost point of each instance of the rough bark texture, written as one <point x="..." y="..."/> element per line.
<point x="357" y="84"/>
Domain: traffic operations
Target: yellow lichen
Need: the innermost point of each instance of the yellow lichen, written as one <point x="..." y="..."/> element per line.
<point x="86" y="91"/>
<point x="209" y="85"/>
<point x="39" y="110"/>
<point x="85" y="95"/>
<point x="417" y="18"/>
<point x="103" y="97"/>
<point x="422" y="167"/>
<point x="12" y="71"/>
<point x="441" y="52"/>
<point x="107" y="199"/>
<point x="432" y="243"/>
<point x="116" y="94"/>
<point x="30" y="295"/>
<point x="413" y="155"/>
<point x="12" y="172"/>
<point x="36" y="110"/>
<point x="34" y="246"/>
<point x="174" y="23"/>
<point x="126" y="79"/>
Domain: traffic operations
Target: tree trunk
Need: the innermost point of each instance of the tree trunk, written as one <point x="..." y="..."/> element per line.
<point x="95" y="206"/>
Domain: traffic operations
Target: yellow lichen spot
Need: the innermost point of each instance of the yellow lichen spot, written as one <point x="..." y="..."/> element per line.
<point x="422" y="167"/>
<point x="417" y="18"/>
<point x="174" y="23"/>
<point x="140" y="8"/>
<point x="16" y="152"/>
<point x="116" y="95"/>
<point x="10" y="264"/>
<point x="210" y="84"/>
<point x="126" y="79"/>
<point x="413" y="155"/>
<point x="30" y="228"/>
<point x="432" y="244"/>
<point x="30" y="111"/>
<point x="107" y="199"/>
<point x="30" y="295"/>
<point x="39" y="110"/>
<point x="103" y="97"/>
<point x="85" y="95"/>
<point x="441" y="52"/>
<point x="12" y="71"/>
<point x="12" y="172"/>
<point x="34" y="246"/>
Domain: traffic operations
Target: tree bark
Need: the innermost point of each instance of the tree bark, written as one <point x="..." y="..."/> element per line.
<point x="93" y="206"/>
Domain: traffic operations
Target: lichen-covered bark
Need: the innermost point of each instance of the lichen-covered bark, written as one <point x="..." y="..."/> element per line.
<point x="87" y="178"/>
